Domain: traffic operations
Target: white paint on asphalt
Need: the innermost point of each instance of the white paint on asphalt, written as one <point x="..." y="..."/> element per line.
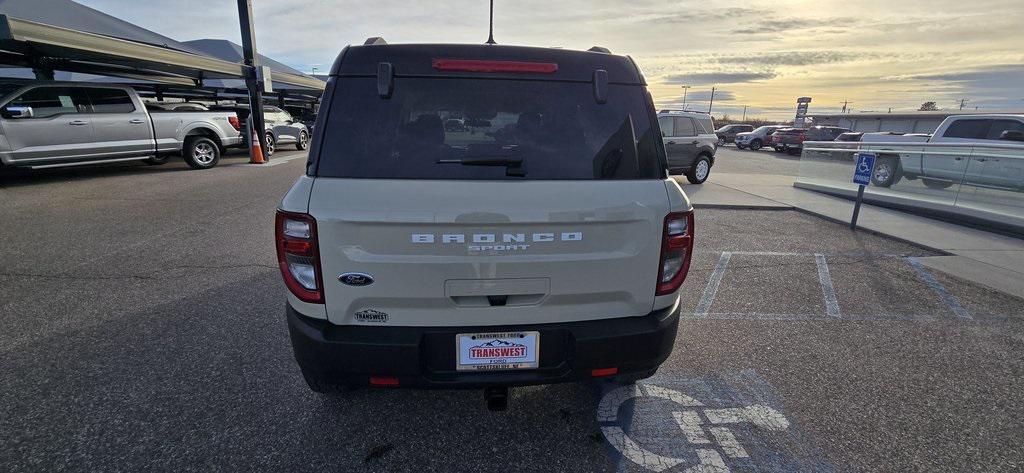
<point x="711" y="289"/>
<point x="951" y="301"/>
<point x="691" y="425"/>
<point x="728" y="441"/>
<point x="827" y="289"/>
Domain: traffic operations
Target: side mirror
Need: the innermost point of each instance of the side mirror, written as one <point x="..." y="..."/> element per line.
<point x="15" y="111"/>
<point x="1012" y="135"/>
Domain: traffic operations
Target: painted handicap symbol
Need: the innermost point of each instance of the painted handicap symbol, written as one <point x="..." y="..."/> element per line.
<point x="706" y="429"/>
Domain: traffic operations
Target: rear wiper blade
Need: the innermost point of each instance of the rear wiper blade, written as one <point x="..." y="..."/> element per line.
<point x="484" y="161"/>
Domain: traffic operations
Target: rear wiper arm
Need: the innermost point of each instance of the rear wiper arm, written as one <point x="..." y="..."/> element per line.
<point x="513" y="166"/>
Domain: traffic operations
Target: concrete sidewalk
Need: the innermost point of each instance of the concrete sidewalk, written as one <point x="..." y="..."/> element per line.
<point x="990" y="259"/>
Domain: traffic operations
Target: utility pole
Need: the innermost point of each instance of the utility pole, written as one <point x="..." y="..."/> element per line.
<point x="744" y="114"/>
<point x="712" y="102"/>
<point x="963" y="102"/>
<point x="684" y="95"/>
<point x="252" y="82"/>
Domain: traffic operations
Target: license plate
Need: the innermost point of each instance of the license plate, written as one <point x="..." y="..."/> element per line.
<point x="497" y="351"/>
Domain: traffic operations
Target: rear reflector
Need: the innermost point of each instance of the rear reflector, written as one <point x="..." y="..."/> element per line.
<point x="516" y="67"/>
<point x="383" y="381"/>
<point x="603" y="372"/>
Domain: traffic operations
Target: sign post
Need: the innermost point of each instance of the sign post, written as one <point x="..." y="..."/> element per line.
<point x="861" y="177"/>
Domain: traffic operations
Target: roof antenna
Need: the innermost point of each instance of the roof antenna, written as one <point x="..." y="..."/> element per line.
<point x="490" y="33"/>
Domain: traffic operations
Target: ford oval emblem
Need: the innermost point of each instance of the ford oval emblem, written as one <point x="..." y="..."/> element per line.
<point x="356" y="279"/>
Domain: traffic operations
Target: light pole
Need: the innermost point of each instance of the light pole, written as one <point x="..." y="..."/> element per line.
<point x="684" y="95"/>
<point x="744" y="114"/>
<point x="712" y="102"/>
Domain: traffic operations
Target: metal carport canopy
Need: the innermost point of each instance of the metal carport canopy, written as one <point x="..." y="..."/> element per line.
<point x="32" y="44"/>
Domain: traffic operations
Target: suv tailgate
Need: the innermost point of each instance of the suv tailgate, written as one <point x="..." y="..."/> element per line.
<point x="488" y="252"/>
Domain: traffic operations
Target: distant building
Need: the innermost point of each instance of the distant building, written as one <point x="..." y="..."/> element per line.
<point x="902" y="122"/>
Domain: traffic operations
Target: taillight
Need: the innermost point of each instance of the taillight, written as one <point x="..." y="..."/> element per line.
<point x="473" y="65"/>
<point x="298" y="255"/>
<point x="233" y="120"/>
<point x="801" y="137"/>
<point x="676" y="250"/>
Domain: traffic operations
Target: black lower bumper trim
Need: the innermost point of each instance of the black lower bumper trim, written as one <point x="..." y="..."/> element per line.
<point x="425" y="356"/>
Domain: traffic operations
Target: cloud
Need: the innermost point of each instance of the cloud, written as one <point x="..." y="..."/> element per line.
<point x="789" y="58"/>
<point x="709" y="78"/>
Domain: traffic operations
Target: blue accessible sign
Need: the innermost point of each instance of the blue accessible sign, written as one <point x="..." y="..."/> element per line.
<point x="865" y="164"/>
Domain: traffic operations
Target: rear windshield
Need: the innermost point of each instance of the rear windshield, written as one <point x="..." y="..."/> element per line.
<point x="556" y="130"/>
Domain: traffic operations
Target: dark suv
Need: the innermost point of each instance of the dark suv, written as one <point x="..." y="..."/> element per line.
<point x="792" y="139"/>
<point x="727" y="133"/>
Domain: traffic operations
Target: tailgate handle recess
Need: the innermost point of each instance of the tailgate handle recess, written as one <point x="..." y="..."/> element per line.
<point x="497" y="292"/>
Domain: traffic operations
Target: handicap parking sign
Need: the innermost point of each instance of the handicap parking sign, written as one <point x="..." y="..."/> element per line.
<point x="865" y="164"/>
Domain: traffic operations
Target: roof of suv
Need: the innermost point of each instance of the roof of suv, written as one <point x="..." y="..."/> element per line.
<point x="417" y="60"/>
<point x="684" y="113"/>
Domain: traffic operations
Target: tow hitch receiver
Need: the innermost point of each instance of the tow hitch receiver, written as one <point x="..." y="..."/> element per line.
<point x="496" y="397"/>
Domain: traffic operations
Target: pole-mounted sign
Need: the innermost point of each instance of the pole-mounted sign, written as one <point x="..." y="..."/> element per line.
<point x="861" y="177"/>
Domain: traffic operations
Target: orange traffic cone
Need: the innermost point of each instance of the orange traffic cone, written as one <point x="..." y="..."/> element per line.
<point x="256" y="152"/>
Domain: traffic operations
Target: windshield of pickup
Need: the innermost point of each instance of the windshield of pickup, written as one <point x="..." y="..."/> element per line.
<point x="556" y="129"/>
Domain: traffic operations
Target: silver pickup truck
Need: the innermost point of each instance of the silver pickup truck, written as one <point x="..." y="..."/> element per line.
<point x="53" y="124"/>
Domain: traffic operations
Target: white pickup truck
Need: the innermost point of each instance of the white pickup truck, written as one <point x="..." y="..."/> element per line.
<point x="52" y="124"/>
<point x="943" y="170"/>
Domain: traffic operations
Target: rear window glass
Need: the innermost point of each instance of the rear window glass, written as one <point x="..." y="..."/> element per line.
<point x="556" y="129"/>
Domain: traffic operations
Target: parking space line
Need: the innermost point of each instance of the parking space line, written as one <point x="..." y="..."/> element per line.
<point x="711" y="289"/>
<point x="951" y="301"/>
<point x="827" y="289"/>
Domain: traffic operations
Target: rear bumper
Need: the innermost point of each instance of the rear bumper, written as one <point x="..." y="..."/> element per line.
<point x="425" y="356"/>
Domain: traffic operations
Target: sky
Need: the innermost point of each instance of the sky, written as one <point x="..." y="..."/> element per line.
<point x="875" y="54"/>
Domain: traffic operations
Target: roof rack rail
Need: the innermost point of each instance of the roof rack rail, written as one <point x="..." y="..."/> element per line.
<point x="666" y="110"/>
<point x="374" y="41"/>
<point x="599" y="49"/>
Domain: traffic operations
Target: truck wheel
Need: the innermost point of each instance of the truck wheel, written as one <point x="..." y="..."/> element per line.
<point x="935" y="184"/>
<point x="270" y="145"/>
<point x="303" y="142"/>
<point x="700" y="170"/>
<point x="201" y="152"/>
<point x="158" y="160"/>
<point x="886" y="172"/>
<point x="755" y="145"/>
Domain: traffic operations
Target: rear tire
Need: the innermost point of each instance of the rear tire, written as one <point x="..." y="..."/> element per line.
<point x="886" y="172"/>
<point x="303" y="142"/>
<point x="270" y="145"/>
<point x="755" y="145"/>
<point x="700" y="170"/>
<point x="201" y="152"/>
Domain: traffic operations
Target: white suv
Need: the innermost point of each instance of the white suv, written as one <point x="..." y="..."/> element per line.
<point x="541" y="242"/>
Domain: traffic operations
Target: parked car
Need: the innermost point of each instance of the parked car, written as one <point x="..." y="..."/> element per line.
<point x="418" y="257"/>
<point x="939" y="171"/>
<point x="52" y="124"/>
<point x="757" y="138"/>
<point x="727" y="133"/>
<point x="690" y="143"/>
<point x="792" y="139"/>
<point x="785" y="138"/>
<point x="280" y="127"/>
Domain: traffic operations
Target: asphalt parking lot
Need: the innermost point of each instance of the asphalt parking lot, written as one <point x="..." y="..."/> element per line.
<point x="142" y="327"/>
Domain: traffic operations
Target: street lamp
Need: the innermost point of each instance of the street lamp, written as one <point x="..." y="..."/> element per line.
<point x="684" y="95"/>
